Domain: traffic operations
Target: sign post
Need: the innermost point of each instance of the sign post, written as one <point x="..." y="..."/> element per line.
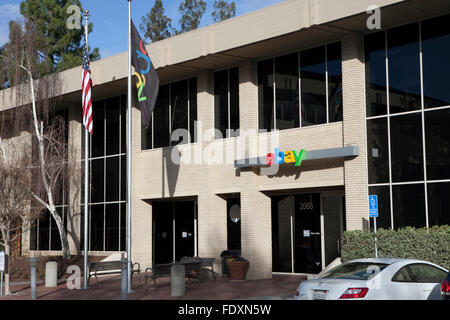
<point x="373" y="213"/>
<point x="2" y="269"/>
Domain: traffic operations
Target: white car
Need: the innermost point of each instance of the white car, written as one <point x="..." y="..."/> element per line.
<point x="376" y="279"/>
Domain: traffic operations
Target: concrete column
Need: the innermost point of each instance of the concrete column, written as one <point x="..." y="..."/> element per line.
<point x="75" y="153"/>
<point x="354" y="131"/>
<point x="141" y="213"/>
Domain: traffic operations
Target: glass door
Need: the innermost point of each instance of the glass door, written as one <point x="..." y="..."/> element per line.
<point x="184" y="229"/>
<point x="307" y="233"/>
<point x="162" y="232"/>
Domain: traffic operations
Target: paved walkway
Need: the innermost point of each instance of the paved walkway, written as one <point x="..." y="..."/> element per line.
<point x="279" y="287"/>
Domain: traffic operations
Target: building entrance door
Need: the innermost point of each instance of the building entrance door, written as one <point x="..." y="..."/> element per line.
<point x="173" y="231"/>
<point x="307" y="233"/>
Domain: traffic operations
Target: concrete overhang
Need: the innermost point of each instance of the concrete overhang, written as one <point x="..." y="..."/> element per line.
<point x="278" y="29"/>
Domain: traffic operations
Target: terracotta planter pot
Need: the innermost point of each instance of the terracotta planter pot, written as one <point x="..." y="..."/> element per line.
<point x="238" y="269"/>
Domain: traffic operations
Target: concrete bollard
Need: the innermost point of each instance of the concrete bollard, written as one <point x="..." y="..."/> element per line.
<point x="177" y="284"/>
<point x="51" y="274"/>
<point x="33" y="264"/>
<point x="124" y="282"/>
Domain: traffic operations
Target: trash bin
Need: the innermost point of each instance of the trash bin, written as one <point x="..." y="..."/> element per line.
<point x="177" y="276"/>
<point x="225" y="255"/>
<point x="51" y="274"/>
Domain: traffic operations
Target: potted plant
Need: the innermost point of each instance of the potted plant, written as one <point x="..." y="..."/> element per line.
<point x="238" y="267"/>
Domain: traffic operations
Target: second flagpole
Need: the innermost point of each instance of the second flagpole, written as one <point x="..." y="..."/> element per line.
<point x="129" y="152"/>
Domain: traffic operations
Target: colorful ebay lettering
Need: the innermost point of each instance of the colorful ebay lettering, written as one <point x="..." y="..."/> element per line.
<point x="291" y="156"/>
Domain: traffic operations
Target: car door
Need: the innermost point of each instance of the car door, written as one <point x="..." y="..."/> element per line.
<point x="428" y="279"/>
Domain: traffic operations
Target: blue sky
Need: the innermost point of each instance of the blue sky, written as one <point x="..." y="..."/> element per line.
<point x="110" y="18"/>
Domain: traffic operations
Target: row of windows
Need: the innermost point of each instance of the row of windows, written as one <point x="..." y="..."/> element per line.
<point x="311" y="78"/>
<point x="175" y="108"/>
<point x="407" y="149"/>
<point x="409" y="207"/>
<point x="395" y="61"/>
<point x="108" y="177"/>
<point x="408" y="110"/>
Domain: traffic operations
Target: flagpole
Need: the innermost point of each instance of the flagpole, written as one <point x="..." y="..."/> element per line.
<point x="129" y="153"/>
<point x="86" y="173"/>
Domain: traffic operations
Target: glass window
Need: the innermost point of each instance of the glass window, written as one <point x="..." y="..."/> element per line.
<point x="375" y="55"/>
<point x="97" y="180"/>
<point x="409" y="205"/>
<point x="112" y="126"/>
<point x="44" y="231"/>
<point x="384" y="207"/>
<point x="402" y="275"/>
<point x="438" y="194"/>
<point x="286" y="84"/>
<point x="354" y="271"/>
<point x="406" y="148"/>
<point x="436" y="62"/>
<point x="313" y="84"/>
<point x="221" y="101"/>
<point x="233" y="224"/>
<point x="334" y="65"/>
<point x="281" y="234"/>
<point x="98" y="139"/>
<point x="123" y="226"/>
<point x="378" y="153"/>
<point x="161" y="118"/>
<point x="112" y="176"/>
<point x="424" y="273"/>
<point x="265" y="95"/>
<point x="437" y="139"/>
<point x="193" y="107"/>
<point x="234" y="101"/>
<point x="97" y="220"/>
<point x="123" y="124"/>
<point x="55" y="238"/>
<point x="404" y="68"/>
<point x="179" y="106"/>
<point x="112" y="227"/>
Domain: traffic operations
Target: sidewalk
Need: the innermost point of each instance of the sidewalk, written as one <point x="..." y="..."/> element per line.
<point x="279" y="287"/>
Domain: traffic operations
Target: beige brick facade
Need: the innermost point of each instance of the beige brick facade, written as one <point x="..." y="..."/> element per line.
<point x="291" y="26"/>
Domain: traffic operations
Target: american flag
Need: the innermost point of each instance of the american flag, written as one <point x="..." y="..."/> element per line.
<point x="86" y="86"/>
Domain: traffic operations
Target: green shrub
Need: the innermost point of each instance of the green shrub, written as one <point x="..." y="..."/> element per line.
<point x="431" y="244"/>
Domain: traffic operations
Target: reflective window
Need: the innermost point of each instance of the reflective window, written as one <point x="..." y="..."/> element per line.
<point x="175" y="108"/>
<point x="281" y="234"/>
<point x="354" y="271"/>
<point x="424" y="273"/>
<point x="313" y="86"/>
<point x="384" y="207"/>
<point x="375" y="55"/>
<point x="179" y="107"/>
<point x="437" y="134"/>
<point x="438" y="194"/>
<point x="265" y="94"/>
<point x="319" y="103"/>
<point x="226" y="102"/>
<point x="161" y="119"/>
<point x="334" y="65"/>
<point x="233" y="224"/>
<point x="409" y="205"/>
<point x="436" y="62"/>
<point x="402" y="275"/>
<point x="404" y="68"/>
<point x="378" y="153"/>
<point x="406" y="148"/>
<point x="286" y="84"/>
<point x="107" y="179"/>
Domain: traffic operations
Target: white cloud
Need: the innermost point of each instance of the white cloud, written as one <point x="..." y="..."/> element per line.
<point x="8" y="12"/>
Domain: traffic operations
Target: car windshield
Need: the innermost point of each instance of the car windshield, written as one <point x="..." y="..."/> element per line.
<point x="355" y="271"/>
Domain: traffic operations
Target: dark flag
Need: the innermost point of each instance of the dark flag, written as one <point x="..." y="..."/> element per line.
<point x="147" y="78"/>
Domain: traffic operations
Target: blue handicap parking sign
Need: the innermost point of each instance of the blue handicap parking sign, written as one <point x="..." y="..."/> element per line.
<point x="373" y="206"/>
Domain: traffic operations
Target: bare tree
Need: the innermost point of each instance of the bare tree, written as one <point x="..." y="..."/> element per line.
<point x="16" y="215"/>
<point x="52" y="163"/>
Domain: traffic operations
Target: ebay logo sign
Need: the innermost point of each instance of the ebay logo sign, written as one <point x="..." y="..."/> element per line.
<point x="290" y="156"/>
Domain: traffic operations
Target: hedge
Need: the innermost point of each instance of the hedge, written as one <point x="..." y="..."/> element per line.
<point x="432" y="244"/>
